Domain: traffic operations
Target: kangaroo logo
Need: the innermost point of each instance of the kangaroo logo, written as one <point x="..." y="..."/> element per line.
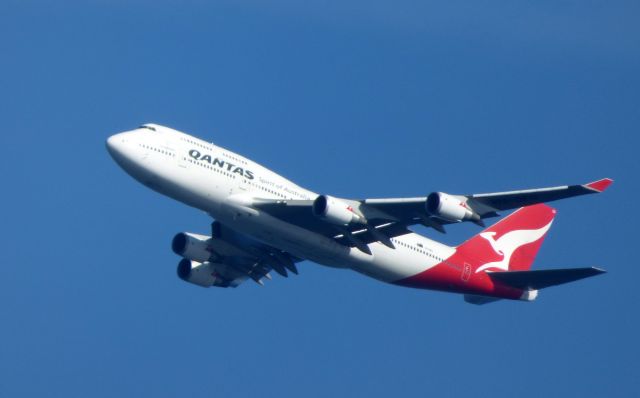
<point x="508" y="243"/>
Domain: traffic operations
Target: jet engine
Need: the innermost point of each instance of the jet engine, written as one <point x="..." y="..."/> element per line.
<point x="335" y="211"/>
<point x="192" y="246"/>
<point x="449" y="208"/>
<point x="201" y="274"/>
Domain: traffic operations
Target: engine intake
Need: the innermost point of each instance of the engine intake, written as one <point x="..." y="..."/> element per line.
<point x="192" y="246"/>
<point x="449" y="208"/>
<point x="201" y="274"/>
<point x="335" y="211"/>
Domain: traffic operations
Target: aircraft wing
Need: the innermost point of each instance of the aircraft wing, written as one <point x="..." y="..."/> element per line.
<point x="235" y="257"/>
<point x="431" y="211"/>
<point x="378" y="220"/>
<point x="299" y="213"/>
<point x="516" y="199"/>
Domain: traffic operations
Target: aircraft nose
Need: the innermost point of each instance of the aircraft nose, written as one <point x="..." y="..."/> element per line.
<point x="115" y="144"/>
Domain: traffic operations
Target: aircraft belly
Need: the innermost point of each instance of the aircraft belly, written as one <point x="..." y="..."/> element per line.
<point x="298" y="241"/>
<point x="390" y="265"/>
<point x="385" y="264"/>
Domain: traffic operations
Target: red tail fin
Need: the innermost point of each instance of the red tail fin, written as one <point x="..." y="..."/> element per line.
<point x="512" y="243"/>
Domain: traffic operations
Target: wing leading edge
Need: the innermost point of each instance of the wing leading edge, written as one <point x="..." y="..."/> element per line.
<point x="382" y="219"/>
<point x="412" y="210"/>
<point x="514" y="199"/>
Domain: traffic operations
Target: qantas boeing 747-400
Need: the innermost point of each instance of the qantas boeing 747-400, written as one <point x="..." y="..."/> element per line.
<point x="265" y="222"/>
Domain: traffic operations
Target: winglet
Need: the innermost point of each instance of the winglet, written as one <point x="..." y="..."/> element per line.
<point x="600" y="185"/>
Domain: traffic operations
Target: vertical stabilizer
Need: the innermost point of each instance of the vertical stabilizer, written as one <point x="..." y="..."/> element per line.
<point x="512" y="243"/>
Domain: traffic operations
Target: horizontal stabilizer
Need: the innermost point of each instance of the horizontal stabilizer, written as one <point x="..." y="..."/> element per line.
<point x="540" y="279"/>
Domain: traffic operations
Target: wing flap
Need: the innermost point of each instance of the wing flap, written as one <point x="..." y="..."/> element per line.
<point x="299" y="213"/>
<point x="242" y="257"/>
<point x="365" y="236"/>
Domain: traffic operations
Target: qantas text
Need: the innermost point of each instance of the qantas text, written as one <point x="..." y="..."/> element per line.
<point x="221" y="163"/>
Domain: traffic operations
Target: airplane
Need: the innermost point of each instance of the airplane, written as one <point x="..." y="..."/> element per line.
<point x="264" y="222"/>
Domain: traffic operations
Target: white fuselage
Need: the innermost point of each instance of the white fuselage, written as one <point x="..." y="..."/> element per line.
<point x="224" y="184"/>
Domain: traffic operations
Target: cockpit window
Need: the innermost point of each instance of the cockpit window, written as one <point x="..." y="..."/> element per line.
<point x="147" y="127"/>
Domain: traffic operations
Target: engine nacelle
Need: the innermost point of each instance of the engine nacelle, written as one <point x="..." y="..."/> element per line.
<point x="335" y="211"/>
<point x="192" y="246"/>
<point x="450" y="208"/>
<point x="201" y="274"/>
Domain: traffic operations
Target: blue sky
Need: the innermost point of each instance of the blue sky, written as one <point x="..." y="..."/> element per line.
<point x="354" y="99"/>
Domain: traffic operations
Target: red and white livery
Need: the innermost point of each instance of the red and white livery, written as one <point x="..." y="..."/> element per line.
<point x="264" y="222"/>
